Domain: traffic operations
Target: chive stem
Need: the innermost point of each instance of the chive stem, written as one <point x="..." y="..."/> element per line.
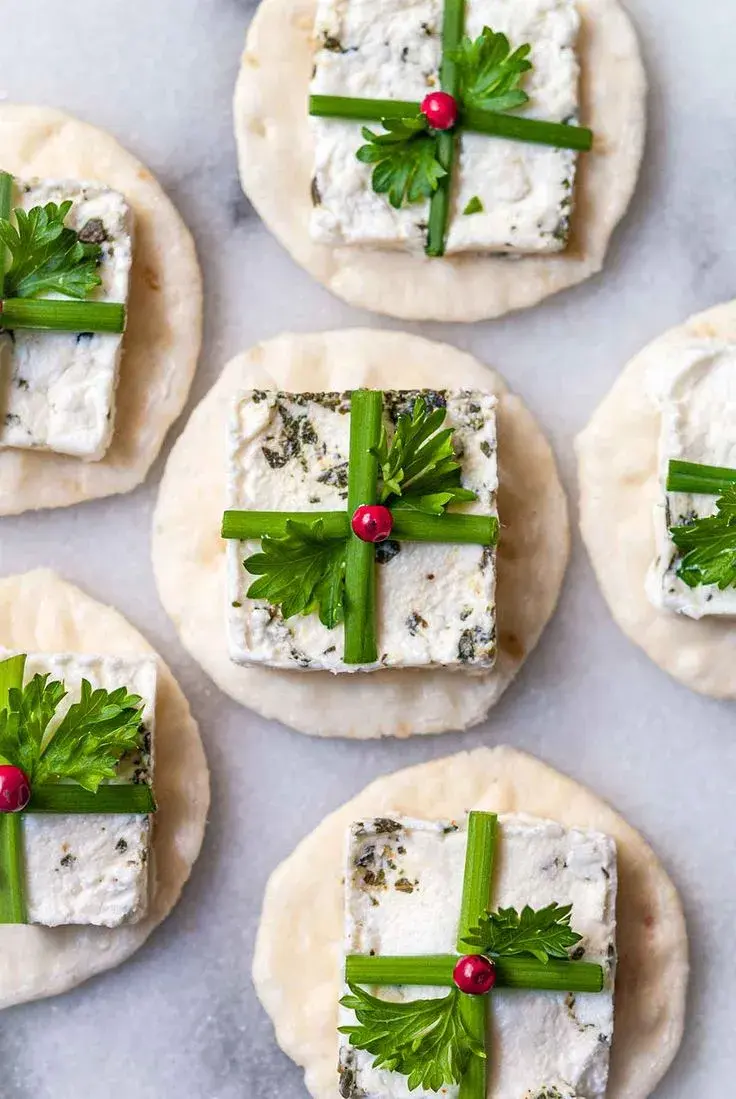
<point x="125" y="797"/>
<point x="413" y="526"/>
<point x="409" y="525"/>
<point x="62" y="316"/>
<point x="699" y="479"/>
<point x="243" y="525"/>
<point x="480" y="852"/>
<point x="493" y="123"/>
<point x="479" y="858"/>
<point x="361" y="110"/>
<point x="366" y="408"/>
<point x="436" y="969"/>
<point x="6" y="202"/>
<point x="533" y="130"/>
<point x="439" y="206"/>
<point x="12" y="902"/>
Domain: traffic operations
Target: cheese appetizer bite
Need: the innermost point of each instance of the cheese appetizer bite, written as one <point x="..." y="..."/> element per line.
<point x="658" y="473"/>
<point x="103" y="788"/>
<point x="394" y="529"/>
<point x="478" y="926"/>
<point x="372" y="139"/>
<point x="100" y="313"/>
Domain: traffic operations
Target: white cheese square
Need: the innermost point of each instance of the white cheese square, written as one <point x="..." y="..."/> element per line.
<point x="403" y="887"/>
<point x="393" y="51"/>
<point x="435" y="603"/>
<point x="694" y="388"/>
<point x="92" y="868"/>
<point x="57" y="389"/>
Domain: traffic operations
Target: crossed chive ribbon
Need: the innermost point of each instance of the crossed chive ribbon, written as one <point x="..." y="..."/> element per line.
<point x="492" y="123"/>
<point x="135" y="799"/>
<point x="360" y="644"/>
<point x="511" y="972"/>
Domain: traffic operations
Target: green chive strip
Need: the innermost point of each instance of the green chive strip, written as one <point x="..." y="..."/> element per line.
<point x="62" y="316"/>
<point x="413" y="526"/>
<point x="6" y="203"/>
<point x="243" y="525"/>
<point x="495" y="124"/>
<point x="439" y="206"/>
<point x="12" y="903"/>
<point x="366" y="409"/>
<point x="361" y="110"/>
<point x="125" y="797"/>
<point x="696" y="478"/>
<point x="533" y="130"/>
<point x="436" y="969"/>
<point x="479" y="857"/>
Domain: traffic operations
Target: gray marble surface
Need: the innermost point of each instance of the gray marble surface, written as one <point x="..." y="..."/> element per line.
<point x="181" y="1018"/>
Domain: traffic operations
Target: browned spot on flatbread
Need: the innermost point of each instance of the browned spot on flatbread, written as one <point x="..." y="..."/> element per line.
<point x="512" y="646"/>
<point x="151" y="279"/>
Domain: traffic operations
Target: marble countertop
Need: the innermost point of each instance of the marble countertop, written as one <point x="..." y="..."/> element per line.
<point x="181" y="1018"/>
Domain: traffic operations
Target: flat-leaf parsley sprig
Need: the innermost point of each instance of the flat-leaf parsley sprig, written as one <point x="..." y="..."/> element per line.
<point x="543" y="934"/>
<point x="405" y="158"/>
<point x="489" y="74"/>
<point x="47" y="256"/>
<point x="707" y="546"/>
<point x="85" y="747"/>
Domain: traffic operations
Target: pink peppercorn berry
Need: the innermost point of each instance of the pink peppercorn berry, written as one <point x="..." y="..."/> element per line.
<point x="15" y="789"/>
<point x="372" y="522"/>
<point x="440" y="110"/>
<point x="474" y="975"/>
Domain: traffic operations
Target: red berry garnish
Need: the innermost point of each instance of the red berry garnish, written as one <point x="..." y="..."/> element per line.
<point x="440" y="109"/>
<point x="15" y="789"/>
<point x="372" y="522"/>
<point x="474" y="975"/>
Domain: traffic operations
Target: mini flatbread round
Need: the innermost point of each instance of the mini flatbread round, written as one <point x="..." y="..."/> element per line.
<point x="41" y="612"/>
<point x="189" y="555"/>
<point x="619" y="487"/>
<point x="164" y="330"/>
<point x="275" y="154"/>
<point x="303" y="911"/>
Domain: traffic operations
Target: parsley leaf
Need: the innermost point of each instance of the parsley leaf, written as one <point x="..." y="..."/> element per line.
<point x="708" y="546"/>
<point x="46" y="256"/>
<point x="544" y="933"/>
<point x="301" y="571"/>
<point x="425" y="1040"/>
<point x="489" y="75"/>
<point x="405" y="158"/>
<point x="86" y="745"/>
<point x="419" y="469"/>
<point x="473" y="206"/>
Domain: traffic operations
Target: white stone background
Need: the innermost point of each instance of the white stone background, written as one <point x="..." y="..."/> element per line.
<point x="181" y="1019"/>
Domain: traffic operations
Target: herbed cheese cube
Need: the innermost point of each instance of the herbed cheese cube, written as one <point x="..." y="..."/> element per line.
<point x="694" y="387"/>
<point x="57" y="389"/>
<point x="92" y="868"/>
<point x="403" y="887"/>
<point x="435" y="603"/>
<point x="393" y="51"/>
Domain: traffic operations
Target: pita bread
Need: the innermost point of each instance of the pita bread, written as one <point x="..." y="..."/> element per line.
<point x="189" y="555"/>
<point x="275" y="154"/>
<point x="40" y="611"/>
<point x="619" y="486"/>
<point x="303" y="912"/>
<point x="165" y="313"/>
